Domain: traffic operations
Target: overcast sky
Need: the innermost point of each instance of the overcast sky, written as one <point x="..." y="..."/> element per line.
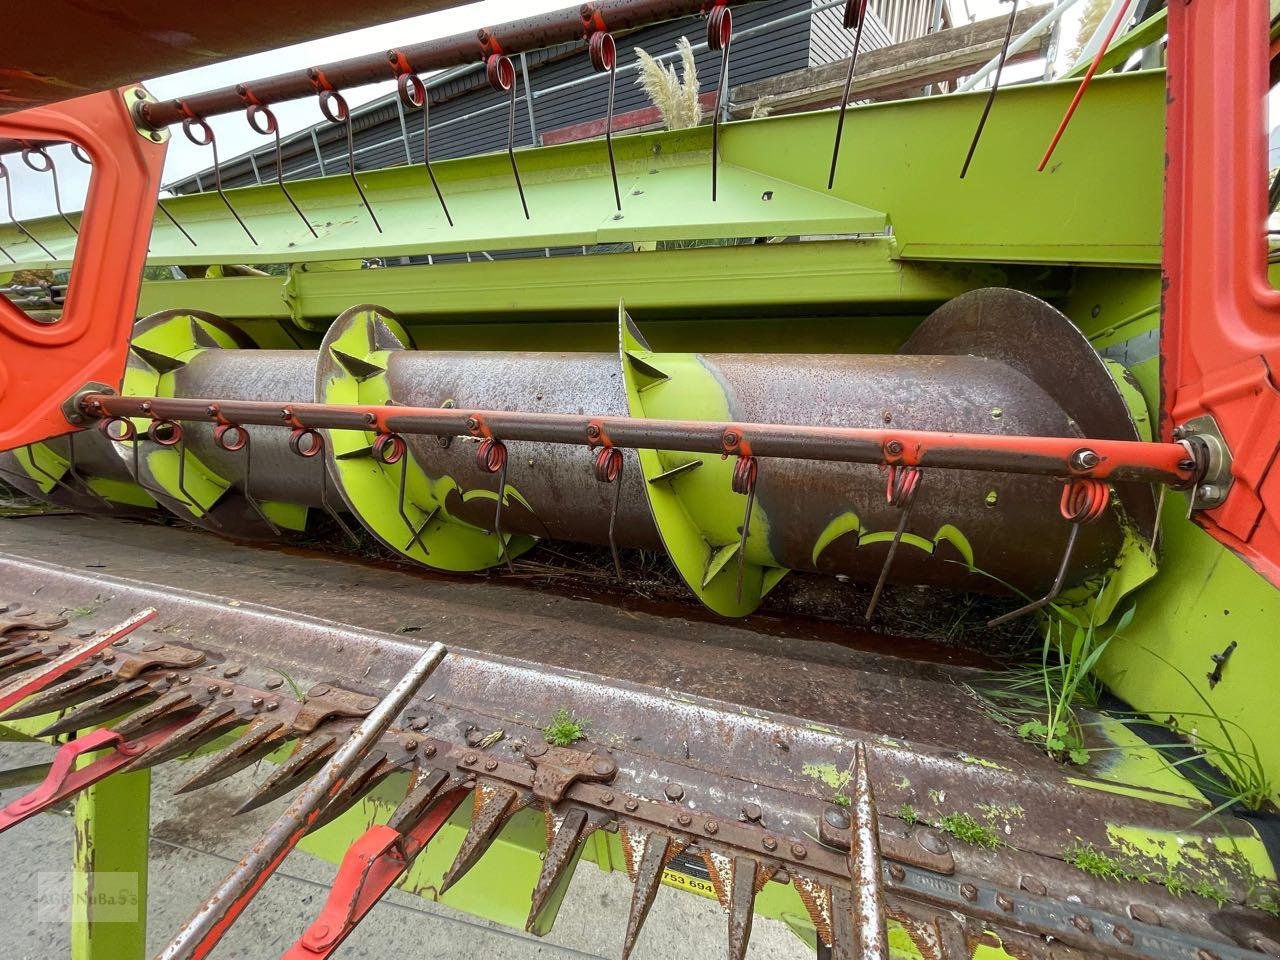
<point x="32" y="194"/>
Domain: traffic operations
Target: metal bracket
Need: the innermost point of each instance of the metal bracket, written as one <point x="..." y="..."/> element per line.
<point x="325" y="701"/>
<point x="557" y="768"/>
<point x="71" y="408"/>
<point x="1205" y="441"/>
<point x="136" y="98"/>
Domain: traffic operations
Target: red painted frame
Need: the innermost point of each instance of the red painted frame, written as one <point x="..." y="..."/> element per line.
<point x="44" y="364"/>
<point x="1220" y="334"/>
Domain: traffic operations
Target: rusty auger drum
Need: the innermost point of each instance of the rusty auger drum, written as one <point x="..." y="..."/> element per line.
<point x="992" y="363"/>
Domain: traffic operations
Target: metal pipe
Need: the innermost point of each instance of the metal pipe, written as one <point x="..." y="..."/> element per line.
<point x="1018" y="45"/>
<point x="202" y="933"/>
<point x="531" y="33"/>
<point x="1169" y="463"/>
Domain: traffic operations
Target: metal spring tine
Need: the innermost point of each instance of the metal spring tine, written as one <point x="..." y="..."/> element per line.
<point x="190" y="124"/>
<point x="719" y="38"/>
<point x="208" y="725"/>
<point x="316" y="448"/>
<point x="129" y="435"/>
<point x="174" y="220"/>
<point x="493" y="807"/>
<point x="163" y="710"/>
<point x="8" y="197"/>
<point x="745" y="472"/>
<point x="389" y="449"/>
<point x="902" y="486"/>
<point x="415" y="533"/>
<point x="604" y="59"/>
<point x="205" y="512"/>
<point x="491" y="457"/>
<point x="995" y="87"/>
<point x="608" y="469"/>
<point x="110" y="705"/>
<point x="37" y="151"/>
<point x="658" y="850"/>
<point x="66" y="694"/>
<point x="334" y="107"/>
<point x="742" y="898"/>
<point x="855" y="12"/>
<point x="258" y="110"/>
<point x="56" y="481"/>
<point x="414" y="95"/>
<point x="309" y="756"/>
<point x="1084" y="501"/>
<point x="74" y="472"/>
<point x="501" y="73"/>
<point x="243" y="443"/>
<point x="261" y="739"/>
<point x="562" y="853"/>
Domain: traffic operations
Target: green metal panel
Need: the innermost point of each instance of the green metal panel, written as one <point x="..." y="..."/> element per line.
<point x="782" y="278"/>
<point x="1099" y="202"/>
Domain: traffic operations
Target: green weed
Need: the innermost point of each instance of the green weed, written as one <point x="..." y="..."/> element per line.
<point x="968" y="830"/>
<point x="564" y="729"/>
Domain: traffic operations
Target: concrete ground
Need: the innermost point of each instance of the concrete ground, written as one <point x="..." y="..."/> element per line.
<point x="194" y="843"/>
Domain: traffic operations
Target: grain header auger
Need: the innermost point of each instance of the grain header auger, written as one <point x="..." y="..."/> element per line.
<point x="892" y="364"/>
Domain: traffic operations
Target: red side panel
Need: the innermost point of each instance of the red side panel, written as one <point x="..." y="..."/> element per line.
<point x="1221" y="328"/>
<point x="44" y="364"/>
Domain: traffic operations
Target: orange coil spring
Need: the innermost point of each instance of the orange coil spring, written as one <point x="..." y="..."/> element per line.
<point x="901" y="485"/>
<point x="608" y="464"/>
<point x="1085" y="500"/>
<point x="744" y="475"/>
<point x="491" y="455"/>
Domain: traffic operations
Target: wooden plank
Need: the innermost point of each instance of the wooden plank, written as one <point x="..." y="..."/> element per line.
<point x="892" y="71"/>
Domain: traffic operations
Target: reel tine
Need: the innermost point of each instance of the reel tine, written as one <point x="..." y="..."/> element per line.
<point x="8" y="196"/>
<point x="235" y="438"/>
<point x="115" y="703"/>
<point x="174" y="220"/>
<point x="255" y="110"/>
<point x="66" y="694"/>
<point x="501" y="74"/>
<point x="413" y="95"/>
<point x="656" y="850"/>
<point x="855" y="12"/>
<point x="205" y="512"/>
<point x="608" y="469"/>
<point x="334" y="107"/>
<point x="991" y="97"/>
<point x="901" y="488"/>
<point x="492" y="807"/>
<point x="208" y="725"/>
<point x="261" y="739"/>
<point x="305" y="760"/>
<point x="491" y="457"/>
<point x="1084" y="501"/>
<point x="35" y="465"/>
<point x="48" y="167"/>
<point x="603" y="50"/>
<point x="74" y="472"/>
<point x="719" y="38"/>
<point x="563" y="851"/>
<point x="389" y="449"/>
<point x="745" y="473"/>
<point x="314" y="446"/>
<point x="190" y="125"/>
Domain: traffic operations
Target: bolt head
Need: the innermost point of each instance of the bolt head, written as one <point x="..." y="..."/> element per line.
<point x="969" y="892"/>
<point x="769" y="843"/>
<point x="684" y="820"/>
<point x="674" y="791"/>
<point x="1082" y="923"/>
<point x="896" y="873"/>
<point x="837" y="817"/>
<point x="632" y="806"/>
<point x="603" y="767"/>
<point x="799" y="852"/>
<point x="711" y="827"/>
<point x="751" y="811"/>
<point x="470" y="758"/>
<point x="1123" y="934"/>
<point x="1207" y="491"/>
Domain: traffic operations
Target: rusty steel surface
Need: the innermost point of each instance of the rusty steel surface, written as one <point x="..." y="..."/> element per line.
<point x="699" y="749"/>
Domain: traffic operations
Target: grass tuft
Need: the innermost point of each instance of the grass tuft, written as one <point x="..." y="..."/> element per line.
<point x="675" y="96"/>
<point x="1087" y="858"/>
<point x="565" y="729"/>
<point x="968" y="830"/>
<point x="907" y="814"/>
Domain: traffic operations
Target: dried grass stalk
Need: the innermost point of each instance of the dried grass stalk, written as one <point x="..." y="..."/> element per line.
<point x="675" y="95"/>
